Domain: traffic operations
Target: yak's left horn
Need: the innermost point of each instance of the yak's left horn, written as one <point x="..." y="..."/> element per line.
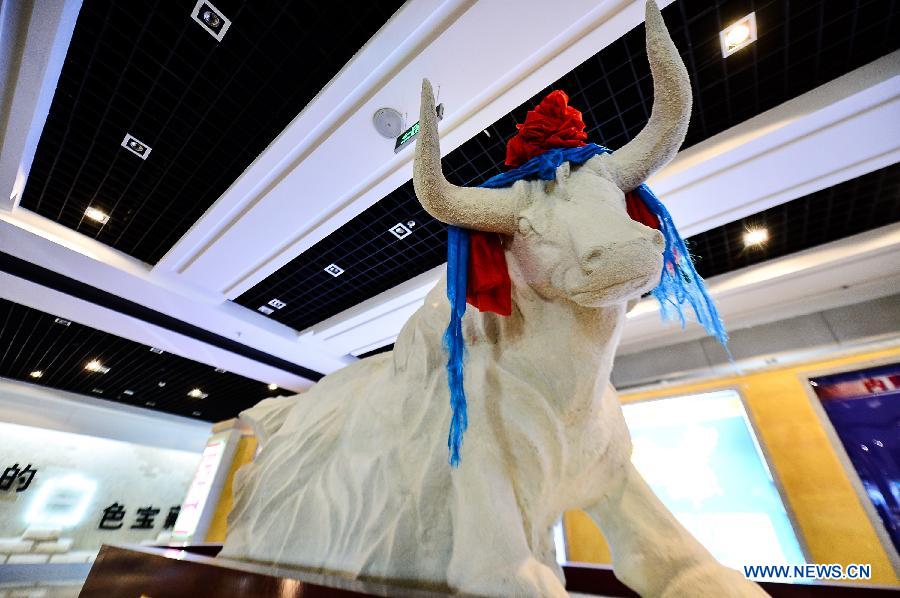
<point x="490" y="210"/>
<point x="659" y="140"/>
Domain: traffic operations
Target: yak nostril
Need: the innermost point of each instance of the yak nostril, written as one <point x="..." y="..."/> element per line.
<point x="591" y="258"/>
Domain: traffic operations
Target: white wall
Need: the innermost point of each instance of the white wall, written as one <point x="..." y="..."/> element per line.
<point x="31" y="405"/>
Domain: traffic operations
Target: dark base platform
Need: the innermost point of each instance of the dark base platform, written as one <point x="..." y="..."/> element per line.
<point x="192" y="572"/>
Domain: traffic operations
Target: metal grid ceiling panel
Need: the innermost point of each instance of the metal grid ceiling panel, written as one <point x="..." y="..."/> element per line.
<point x="205" y="108"/>
<point x="31" y="340"/>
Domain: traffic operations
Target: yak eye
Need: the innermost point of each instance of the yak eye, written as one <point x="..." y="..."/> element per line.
<point x="525" y="227"/>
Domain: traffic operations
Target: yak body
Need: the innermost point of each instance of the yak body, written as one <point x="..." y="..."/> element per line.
<point x="353" y="475"/>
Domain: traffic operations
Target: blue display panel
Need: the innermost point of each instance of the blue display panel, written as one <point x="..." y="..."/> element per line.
<point x="701" y="457"/>
<point x="864" y="408"/>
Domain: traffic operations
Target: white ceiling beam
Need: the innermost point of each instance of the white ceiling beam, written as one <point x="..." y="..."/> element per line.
<point x="34" y="39"/>
<point x="37" y="240"/>
<point x="836" y="132"/>
<point x="59" y="304"/>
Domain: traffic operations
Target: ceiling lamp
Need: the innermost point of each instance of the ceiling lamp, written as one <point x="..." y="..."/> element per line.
<point x="197" y="394"/>
<point x="136" y="146"/>
<point x="36" y="374"/>
<point x="739" y="34"/>
<point x="755" y="236"/>
<point x="97" y="215"/>
<point x="211" y="18"/>
<point x="273" y="387"/>
<point x="95" y="366"/>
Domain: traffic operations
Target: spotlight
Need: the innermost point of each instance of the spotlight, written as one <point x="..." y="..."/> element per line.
<point x="739" y="34"/>
<point x="755" y="236"/>
<point x="211" y="18"/>
<point x="36" y="374"/>
<point x="97" y="215"/>
<point x="197" y="394"/>
<point x="136" y="146"/>
<point x="95" y="366"/>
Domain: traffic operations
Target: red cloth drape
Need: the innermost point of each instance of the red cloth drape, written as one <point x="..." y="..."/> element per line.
<point x="489" y="287"/>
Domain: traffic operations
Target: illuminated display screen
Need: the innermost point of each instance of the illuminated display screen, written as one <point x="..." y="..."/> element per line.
<point x="864" y="408"/>
<point x="701" y="457"/>
<point x="198" y="492"/>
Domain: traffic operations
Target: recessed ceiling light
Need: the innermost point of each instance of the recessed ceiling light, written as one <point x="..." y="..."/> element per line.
<point x="334" y="270"/>
<point x="157" y="351"/>
<point x="265" y="309"/>
<point x="196" y="413"/>
<point x="277" y="303"/>
<point x="98" y="391"/>
<point x="62" y="322"/>
<point x="273" y="387"/>
<point x="95" y="366"/>
<point x="161" y="384"/>
<point x="150" y="403"/>
<point x="128" y="392"/>
<point x="755" y="236"/>
<point x="400" y="230"/>
<point x="211" y="19"/>
<point x="739" y="34"/>
<point x="196" y="393"/>
<point x="220" y="370"/>
<point x="136" y="146"/>
<point x="97" y="215"/>
<point x="36" y="374"/>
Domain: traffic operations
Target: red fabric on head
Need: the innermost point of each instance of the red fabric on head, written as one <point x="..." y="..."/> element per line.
<point x="552" y="124"/>
<point x="489" y="287"/>
<point x="638" y="211"/>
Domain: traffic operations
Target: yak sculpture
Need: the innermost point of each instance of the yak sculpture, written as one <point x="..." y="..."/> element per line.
<point x="352" y="476"/>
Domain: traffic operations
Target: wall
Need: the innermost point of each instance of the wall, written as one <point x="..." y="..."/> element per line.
<point x="831" y="519"/>
<point x="134" y="476"/>
<point x="40" y="407"/>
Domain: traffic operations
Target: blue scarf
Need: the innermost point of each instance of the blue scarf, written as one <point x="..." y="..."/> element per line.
<point x="679" y="283"/>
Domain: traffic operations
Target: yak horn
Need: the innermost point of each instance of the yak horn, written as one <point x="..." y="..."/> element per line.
<point x="489" y="210"/>
<point x="659" y="140"/>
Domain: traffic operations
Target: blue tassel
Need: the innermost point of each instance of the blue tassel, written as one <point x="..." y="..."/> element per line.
<point x="679" y="283"/>
<point x="457" y="277"/>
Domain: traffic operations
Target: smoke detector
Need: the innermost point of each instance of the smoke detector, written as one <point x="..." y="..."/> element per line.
<point x="388" y="122"/>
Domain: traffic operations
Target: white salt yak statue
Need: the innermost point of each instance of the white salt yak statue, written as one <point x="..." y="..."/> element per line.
<point x="352" y="476"/>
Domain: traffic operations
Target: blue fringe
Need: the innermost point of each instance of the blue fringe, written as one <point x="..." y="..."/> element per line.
<point x="679" y="283"/>
<point x="457" y="277"/>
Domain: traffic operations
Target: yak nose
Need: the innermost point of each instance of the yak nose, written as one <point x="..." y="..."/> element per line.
<point x="592" y="258"/>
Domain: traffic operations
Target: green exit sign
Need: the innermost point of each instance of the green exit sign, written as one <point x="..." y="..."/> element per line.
<point x="409" y="134"/>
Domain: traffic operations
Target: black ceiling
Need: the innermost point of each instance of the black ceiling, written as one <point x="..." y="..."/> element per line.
<point x="31" y="340"/>
<point x="206" y="108"/>
<point x="801" y="45"/>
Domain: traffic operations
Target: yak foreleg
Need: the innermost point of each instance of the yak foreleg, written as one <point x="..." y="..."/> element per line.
<point x="653" y="554"/>
<point x="491" y="556"/>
